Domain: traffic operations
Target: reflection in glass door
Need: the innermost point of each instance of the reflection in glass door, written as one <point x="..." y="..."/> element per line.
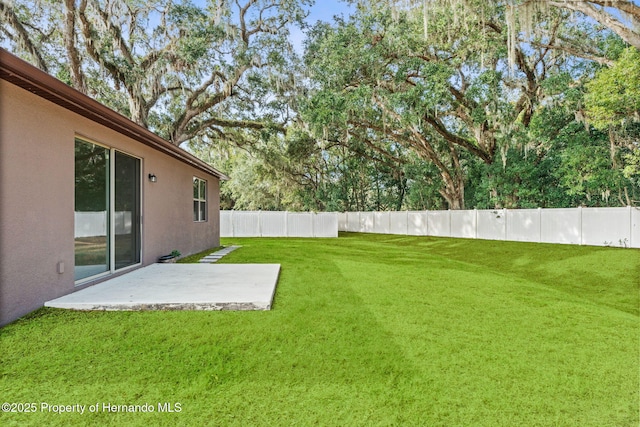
<point x="107" y="210"/>
<point x="91" y="210"/>
<point x="126" y="210"/>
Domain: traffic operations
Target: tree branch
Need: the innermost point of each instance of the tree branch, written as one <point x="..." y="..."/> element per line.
<point x="22" y="36"/>
<point x="75" y="64"/>
<point x="629" y="35"/>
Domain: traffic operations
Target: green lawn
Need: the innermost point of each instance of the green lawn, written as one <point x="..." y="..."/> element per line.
<point x="365" y="330"/>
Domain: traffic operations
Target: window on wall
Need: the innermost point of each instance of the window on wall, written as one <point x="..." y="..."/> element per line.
<point x="199" y="199"/>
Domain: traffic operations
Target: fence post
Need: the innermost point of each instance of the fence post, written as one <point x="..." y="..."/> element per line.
<point x="407" y="222"/>
<point x="475" y="231"/>
<point x="260" y="223"/>
<point x="630" y="226"/>
<point x="539" y="225"/>
<point x="426" y="225"/>
<point x="504" y="235"/>
<point x="286" y="223"/>
<point x="388" y="220"/>
<point x="233" y="225"/>
<point x="580" y="223"/>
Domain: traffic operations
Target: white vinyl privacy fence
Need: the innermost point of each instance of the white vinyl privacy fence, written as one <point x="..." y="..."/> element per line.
<point x="278" y="224"/>
<point x="579" y="226"/>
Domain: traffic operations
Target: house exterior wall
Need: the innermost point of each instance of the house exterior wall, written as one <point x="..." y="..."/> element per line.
<point x="37" y="199"/>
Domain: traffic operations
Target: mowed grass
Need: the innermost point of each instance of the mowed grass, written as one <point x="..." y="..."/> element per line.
<point x="366" y="330"/>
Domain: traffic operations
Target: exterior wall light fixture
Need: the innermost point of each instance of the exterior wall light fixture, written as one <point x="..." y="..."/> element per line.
<point x="153" y="178"/>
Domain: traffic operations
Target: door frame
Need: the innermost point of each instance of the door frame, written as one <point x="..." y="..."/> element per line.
<point x="111" y="227"/>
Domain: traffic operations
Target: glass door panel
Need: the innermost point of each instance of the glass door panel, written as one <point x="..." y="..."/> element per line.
<point x="126" y="214"/>
<point x="91" y="210"/>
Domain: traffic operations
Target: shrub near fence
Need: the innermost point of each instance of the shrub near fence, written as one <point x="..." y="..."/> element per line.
<point x="579" y="226"/>
<point x="278" y="224"/>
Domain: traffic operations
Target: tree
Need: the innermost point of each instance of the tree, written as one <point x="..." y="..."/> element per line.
<point x="613" y="97"/>
<point x="446" y="94"/>
<point x="16" y="31"/>
<point x="613" y="105"/>
<point x="620" y="16"/>
<point x="179" y="66"/>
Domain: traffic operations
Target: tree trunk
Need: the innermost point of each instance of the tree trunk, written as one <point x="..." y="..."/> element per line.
<point x="137" y="105"/>
<point x="402" y="189"/>
<point x="612" y="148"/>
<point x="453" y="193"/>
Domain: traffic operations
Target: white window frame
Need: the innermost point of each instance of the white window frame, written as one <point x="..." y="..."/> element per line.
<point x="199" y="200"/>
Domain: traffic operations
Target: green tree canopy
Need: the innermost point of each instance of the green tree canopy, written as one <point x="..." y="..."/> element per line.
<point x="181" y="69"/>
<point x="613" y="97"/>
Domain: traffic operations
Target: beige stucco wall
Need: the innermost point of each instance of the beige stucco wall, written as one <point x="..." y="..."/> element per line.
<point x="37" y="200"/>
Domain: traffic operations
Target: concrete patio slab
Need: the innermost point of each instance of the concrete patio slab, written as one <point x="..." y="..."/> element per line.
<point x="180" y="287"/>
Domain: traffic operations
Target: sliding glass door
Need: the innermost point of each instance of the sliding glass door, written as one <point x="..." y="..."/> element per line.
<point x="107" y="210"/>
<point x="91" y="210"/>
<point x="126" y="210"/>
